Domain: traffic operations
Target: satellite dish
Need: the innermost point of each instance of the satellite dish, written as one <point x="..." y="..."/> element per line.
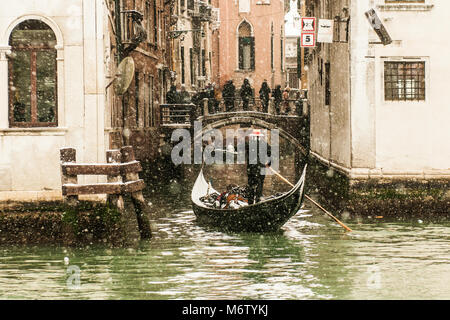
<point x="124" y="75"/>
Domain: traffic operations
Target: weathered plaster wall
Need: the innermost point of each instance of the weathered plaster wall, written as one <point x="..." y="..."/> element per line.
<point x="260" y="18"/>
<point x="29" y="158"/>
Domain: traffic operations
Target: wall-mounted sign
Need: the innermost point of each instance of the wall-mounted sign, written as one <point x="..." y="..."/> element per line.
<point x="378" y="26"/>
<point x="325" y="31"/>
<point x="308" y="24"/>
<point x="308" y="39"/>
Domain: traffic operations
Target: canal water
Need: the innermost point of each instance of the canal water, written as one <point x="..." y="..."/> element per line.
<point x="312" y="257"/>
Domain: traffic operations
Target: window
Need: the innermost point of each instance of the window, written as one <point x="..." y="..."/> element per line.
<point x="246" y="47"/>
<point x="327" y="84"/>
<point x="281" y="50"/>
<point x="190" y="4"/>
<point x="271" y="46"/>
<point x="404" y="81"/>
<point x="151" y="21"/>
<point x="151" y="106"/>
<point x="183" y="77"/>
<point x="191" y="65"/>
<point x="203" y="62"/>
<point x="137" y="97"/>
<point x="32" y="75"/>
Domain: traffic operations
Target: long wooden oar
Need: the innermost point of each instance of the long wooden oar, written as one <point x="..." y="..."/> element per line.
<point x="314" y="202"/>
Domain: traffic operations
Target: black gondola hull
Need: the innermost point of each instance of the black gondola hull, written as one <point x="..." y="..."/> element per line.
<point x="265" y="216"/>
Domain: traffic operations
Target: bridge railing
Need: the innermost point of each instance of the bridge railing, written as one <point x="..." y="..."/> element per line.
<point x="284" y="107"/>
<point x="177" y="114"/>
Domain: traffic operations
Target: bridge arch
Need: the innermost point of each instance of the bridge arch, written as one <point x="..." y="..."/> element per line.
<point x="257" y="119"/>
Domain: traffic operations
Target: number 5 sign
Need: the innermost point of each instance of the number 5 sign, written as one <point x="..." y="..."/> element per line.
<point x="308" y="40"/>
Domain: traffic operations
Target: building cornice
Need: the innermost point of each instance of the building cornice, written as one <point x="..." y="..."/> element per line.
<point x="405" y="7"/>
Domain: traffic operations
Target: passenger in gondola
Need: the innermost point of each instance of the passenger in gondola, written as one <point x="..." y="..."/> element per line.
<point x="257" y="152"/>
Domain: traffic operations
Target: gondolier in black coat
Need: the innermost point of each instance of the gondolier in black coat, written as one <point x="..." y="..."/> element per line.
<point x="255" y="167"/>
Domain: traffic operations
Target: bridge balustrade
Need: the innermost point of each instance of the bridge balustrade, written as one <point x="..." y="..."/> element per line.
<point x="177" y="114"/>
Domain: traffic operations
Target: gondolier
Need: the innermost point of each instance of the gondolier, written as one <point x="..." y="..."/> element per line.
<point x="267" y="215"/>
<point x="257" y="153"/>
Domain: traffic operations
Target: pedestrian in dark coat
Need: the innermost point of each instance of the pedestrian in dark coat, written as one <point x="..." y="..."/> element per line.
<point x="172" y="96"/>
<point x="246" y="93"/>
<point x="264" y="96"/>
<point x="228" y="94"/>
<point x="184" y="96"/>
<point x="211" y="99"/>
<point x="286" y="96"/>
<point x="278" y="97"/>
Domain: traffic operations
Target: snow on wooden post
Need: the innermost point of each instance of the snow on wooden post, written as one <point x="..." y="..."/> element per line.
<point x="114" y="156"/>
<point x="137" y="197"/>
<point x="68" y="155"/>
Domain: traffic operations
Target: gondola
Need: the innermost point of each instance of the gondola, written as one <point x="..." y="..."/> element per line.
<point x="265" y="216"/>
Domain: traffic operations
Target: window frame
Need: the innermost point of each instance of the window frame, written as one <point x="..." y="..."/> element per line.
<point x="423" y="61"/>
<point x="241" y="53"/>
<point x="34" y="121"/>
<point x="241" y="37"/>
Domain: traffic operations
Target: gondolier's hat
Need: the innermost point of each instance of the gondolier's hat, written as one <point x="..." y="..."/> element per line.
<point x="256" y="133"/>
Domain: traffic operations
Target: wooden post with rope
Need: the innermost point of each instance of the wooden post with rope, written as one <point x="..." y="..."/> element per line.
<point x="314" y="202"/>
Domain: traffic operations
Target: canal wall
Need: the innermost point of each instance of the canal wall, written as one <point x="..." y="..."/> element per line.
<point x="54" y="223"/>
<point x="380" y="195"/>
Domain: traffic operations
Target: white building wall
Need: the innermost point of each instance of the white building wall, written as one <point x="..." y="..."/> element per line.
<point x="413" y="137"/>
<point x="29" y="158"/>
<point x="386" y="138"/>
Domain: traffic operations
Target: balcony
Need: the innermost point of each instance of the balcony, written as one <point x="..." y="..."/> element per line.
<point x="200" y="11"/>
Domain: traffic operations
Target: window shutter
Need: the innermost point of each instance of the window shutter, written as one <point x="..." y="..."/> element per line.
<point x="241" y="53"/>
<point x="252" y="53"/>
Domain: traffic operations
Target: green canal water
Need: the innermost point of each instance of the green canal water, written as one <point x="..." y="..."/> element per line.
<point x="310" y="258"/>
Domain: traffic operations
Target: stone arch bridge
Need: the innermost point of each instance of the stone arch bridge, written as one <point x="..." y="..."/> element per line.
<point x="292" y="127"/>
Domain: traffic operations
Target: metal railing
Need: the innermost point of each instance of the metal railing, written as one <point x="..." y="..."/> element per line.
<point x="177" y="114"/>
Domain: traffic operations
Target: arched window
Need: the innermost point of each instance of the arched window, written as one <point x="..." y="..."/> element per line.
<point x="32" y="75"/>
<point x="246" y="47"/>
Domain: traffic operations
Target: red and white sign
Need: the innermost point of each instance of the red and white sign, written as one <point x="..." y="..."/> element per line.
<point x="308" y="39"/>
<point x="308" y="24"/>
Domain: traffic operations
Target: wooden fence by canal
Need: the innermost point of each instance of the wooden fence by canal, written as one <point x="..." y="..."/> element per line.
<point x="122" y="182"/>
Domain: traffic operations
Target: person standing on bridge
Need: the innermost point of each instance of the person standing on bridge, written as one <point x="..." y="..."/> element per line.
<point x="228" y="95"/>
<point x="264" y="96"/>
<point x="246" y="94"/>
<point x="172" y="96"/>
<point x="286" y="96"/>
<point x="217" y="98"/>
<point x="277" y="98"/>
<point x="257" y="154"/>
<point x="184" y="96"/>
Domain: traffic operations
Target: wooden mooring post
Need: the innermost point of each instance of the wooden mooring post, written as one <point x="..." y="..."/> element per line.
<point x="122" y="179"/>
